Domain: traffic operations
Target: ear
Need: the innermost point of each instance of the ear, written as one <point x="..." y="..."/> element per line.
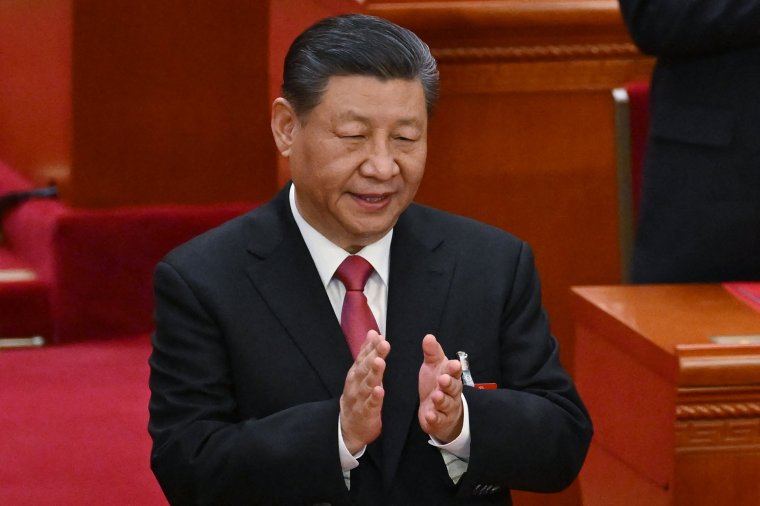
<point x="284" y="123"/>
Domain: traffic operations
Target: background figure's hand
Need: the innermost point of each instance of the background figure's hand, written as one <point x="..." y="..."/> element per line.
<point x="362" y="399"/>
<point x="440" y="385"/>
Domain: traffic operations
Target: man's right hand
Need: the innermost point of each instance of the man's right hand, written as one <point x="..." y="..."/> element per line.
<point x="362" y="399"/>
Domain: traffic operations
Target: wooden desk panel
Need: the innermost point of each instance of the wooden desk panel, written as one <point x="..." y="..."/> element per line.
<point x="677" y="416"/>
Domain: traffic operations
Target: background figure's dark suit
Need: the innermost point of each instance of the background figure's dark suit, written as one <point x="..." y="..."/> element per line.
<point x="250" y="361"/>
<point x="700" y="210"/>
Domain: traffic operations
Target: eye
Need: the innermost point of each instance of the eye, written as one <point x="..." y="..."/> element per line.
<point x="404" y="139"/>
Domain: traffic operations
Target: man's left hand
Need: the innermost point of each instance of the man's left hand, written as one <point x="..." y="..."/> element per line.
<point x="440" y="387"/>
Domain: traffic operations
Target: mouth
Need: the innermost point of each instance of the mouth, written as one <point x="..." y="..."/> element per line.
<point x="371" y="198"/>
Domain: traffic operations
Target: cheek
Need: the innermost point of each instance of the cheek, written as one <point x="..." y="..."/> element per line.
<point x="322" y="168"/>
<point x="413" y="168"/>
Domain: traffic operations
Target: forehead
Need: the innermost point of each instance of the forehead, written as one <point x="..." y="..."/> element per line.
<point x="372" y="99"/>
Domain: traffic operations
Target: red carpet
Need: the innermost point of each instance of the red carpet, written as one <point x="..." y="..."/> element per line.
<point x="73" y="425"/>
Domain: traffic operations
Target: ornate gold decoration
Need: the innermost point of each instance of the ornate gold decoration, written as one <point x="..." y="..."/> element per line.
<point x="539" y="52"/>
<point x="718" y="410"/>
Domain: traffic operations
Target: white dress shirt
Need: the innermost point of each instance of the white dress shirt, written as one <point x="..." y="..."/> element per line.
<point x="327" y="257"/>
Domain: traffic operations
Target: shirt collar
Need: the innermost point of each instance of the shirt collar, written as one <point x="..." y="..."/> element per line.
<point x="328" y="256"/>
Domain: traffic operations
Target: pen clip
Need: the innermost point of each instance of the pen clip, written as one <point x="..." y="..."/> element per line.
<point x="466" y="376"/>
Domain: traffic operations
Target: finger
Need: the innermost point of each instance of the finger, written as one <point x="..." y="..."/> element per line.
<point x="363" y="376"/>
<point x="364" y="389"/>
<point x="369" y="346"/>
<point x="383" y="347"/>
<point x="454" y="368"/>
<point x="431" y="417"/>
<point x="432" y="350"/>
<point x="372" y="404"/>
<point x="445" y="406"/>
<point x="377" y="396"/>
<point x="450" y="385"/>
<point x="442" y="400"/>
<point x="376" y="371"/>
<point x="375" y="346"/>
<point x="449" y="398"/>
<point x="368" y="378"/>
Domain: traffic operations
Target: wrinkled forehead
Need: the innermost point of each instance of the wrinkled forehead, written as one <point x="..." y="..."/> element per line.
<point x="362" y="98"/>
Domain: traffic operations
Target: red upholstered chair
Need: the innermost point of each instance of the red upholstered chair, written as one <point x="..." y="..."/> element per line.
<point x="71" y="274"/>
<point x="631" y="131"/>
<point x="24" y="285"/>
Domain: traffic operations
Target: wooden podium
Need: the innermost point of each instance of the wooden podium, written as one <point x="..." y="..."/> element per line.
<point x="671" y="377"/>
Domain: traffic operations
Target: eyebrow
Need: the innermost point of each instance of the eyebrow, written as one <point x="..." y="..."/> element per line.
<point x="352" y="116"/>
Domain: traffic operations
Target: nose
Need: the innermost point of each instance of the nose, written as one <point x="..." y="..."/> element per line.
<point x="380" y="162"/>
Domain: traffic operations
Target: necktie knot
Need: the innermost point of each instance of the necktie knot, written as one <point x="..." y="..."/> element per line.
<point x="354" y="273"/>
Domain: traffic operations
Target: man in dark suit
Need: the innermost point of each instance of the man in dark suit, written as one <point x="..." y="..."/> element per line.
<point x="700" y="209"/>
<point x="256" y="397"/>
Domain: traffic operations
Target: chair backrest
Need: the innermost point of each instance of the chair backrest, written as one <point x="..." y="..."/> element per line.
<point x="631" y="131"/>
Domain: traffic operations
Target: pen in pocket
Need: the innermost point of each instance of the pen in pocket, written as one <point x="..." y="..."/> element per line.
<point x="466" y="376"/>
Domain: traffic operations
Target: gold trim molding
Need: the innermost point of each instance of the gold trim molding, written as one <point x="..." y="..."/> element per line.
<point x="718" y="410"/>
<point x="538" y="52"/>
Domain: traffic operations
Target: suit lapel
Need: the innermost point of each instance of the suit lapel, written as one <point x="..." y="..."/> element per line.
<point x="283" y="272"/>
<point x="420" y="277"/>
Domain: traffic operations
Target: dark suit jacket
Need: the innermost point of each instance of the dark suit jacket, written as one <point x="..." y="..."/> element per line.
<point x="249" y="362"/>
<point x="700" y="209"/>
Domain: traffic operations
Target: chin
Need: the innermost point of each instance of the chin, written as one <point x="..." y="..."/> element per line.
<point x="367" y="235"/>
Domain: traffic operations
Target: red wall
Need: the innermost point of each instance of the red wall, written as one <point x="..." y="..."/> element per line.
<point x="35" y="87"/>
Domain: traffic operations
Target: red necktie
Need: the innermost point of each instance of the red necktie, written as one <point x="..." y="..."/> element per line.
<point x="356" y="318"/>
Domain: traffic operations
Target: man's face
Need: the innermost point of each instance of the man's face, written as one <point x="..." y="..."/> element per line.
<point x="358" y="157"/>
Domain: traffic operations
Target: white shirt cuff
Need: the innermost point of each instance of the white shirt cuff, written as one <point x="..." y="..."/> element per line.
<point x="456" y="453"/>
<point x="347" y="460"/>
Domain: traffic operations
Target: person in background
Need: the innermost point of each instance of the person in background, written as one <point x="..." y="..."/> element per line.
<point x="306" y="352"/>
<point x="699" y="217"/>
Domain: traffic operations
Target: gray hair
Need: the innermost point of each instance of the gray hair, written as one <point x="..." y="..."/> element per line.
<point x="355" y="44"/>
